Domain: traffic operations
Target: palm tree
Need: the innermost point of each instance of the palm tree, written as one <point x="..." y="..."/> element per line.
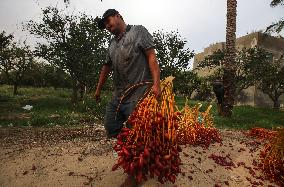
<point x="229" y="62"/>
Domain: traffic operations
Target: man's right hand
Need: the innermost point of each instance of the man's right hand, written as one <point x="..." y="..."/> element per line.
<point x="97" y="96"/>
<point x="103" y="76"/>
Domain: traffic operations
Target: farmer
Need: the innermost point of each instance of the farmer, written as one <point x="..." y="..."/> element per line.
<point x="132" y="59"/>
<point x="219" y="92"/>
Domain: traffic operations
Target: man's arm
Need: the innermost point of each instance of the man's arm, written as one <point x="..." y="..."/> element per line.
<point x="102" y="79"/>
<point x="155" y="70"/>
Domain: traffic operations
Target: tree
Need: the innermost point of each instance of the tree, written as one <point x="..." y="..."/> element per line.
<point x="254" y="66"/>
<point x="5" y="53"/>
<point x="6" y="42"/>
<point x="278" y="26"/>
<point x="269" y="76"/>
<point x="172" y="55"/>
<point x="42" y="74"/>
<point x="229" y="61"/>
<point x="188" y="82"/>
<point x="273" y="84"/>
<point x="204" y="89"/>
<point x="73" y="43"/>
<point x="14" y="60"/>
<point x="244" y="63"/>
<point x="174" y="59"/>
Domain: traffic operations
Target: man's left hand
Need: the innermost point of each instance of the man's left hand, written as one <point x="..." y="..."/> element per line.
<point x="156" y="89"/>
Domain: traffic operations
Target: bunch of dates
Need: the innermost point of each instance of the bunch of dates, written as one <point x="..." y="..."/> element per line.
<point x="143" y="161"/>
<point x="197" y="128"/>
<point x="150" y="148"/>
<point x="272" y="158"/>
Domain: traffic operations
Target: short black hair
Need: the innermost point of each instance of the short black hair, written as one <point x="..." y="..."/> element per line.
<point x="109" y="12"/>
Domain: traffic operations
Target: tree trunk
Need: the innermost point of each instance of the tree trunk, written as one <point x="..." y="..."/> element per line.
<point x="229" y="62"/>
<point x="276" y="104"/>
<point x="15" y="92"/>
<point x="82" y="91"/>
<point x="74" y="99"/>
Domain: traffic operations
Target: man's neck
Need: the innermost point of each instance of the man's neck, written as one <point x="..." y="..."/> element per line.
<point x="122" y="30"/>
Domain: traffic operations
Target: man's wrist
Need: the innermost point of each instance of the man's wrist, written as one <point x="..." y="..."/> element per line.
<point x="156" y="83"/>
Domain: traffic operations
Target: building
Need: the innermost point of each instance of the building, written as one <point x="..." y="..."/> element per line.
<point x="251" y="96"/>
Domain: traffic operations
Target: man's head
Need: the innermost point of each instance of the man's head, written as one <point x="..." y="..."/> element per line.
<point x="112" y="21"/>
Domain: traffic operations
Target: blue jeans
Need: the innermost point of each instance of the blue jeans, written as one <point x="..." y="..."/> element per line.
<point x="114" y="119"/>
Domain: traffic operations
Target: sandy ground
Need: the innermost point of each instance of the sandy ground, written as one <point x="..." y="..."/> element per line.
<point x="84" y="157"/>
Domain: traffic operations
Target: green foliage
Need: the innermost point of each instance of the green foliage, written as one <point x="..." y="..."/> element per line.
<point x="204" y="89"/>
<point x="212" y="61"/>
<point x="5" y="42"/>
<point x="41" y="74"/>
<point x="276" y="3"/>
<point x="267" y="73"/>
<point x="174" y="59"/>
<point x="15" y="59"/>
<point x="278" y="26"/>
<point x="73" y="43"/>
<point x="244" y="117"/>
<point x="247" y="117"/>
<point x="50" y="107"/>
<point x="185" y="83"/>
<point x="254" y="66"/>
<point x="172" y="55"/>
<point x="246" y="62"/>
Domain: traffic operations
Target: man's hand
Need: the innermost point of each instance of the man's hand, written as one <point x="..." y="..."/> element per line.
<point x="102" y="79"/>
<point x="156" y="90"/>
<point x="97" y="96"/>
<point x="155" y="71"/>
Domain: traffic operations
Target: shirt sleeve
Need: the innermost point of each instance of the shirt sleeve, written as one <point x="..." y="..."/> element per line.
<point x="145" y="38"/>
<point x="108" y="59"/>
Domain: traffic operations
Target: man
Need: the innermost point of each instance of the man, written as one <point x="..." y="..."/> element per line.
<point x="132" y="59"/>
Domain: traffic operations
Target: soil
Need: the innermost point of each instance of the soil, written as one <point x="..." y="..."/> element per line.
<point x="83" y="156"/>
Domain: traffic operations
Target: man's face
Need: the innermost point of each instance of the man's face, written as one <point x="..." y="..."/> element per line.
<point x="112" y="23"/>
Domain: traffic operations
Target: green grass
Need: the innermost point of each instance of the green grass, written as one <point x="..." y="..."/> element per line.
<point x="244" y="117"/>
<point x="52" y="107"/>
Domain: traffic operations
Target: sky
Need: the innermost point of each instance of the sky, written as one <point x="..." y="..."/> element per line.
<point x="200" y="22"/>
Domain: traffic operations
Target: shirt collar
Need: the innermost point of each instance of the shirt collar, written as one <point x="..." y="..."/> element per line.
<point x="128" y="27"/>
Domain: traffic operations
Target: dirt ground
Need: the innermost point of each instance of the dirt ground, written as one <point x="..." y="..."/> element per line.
<point x="83" y="157"/>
